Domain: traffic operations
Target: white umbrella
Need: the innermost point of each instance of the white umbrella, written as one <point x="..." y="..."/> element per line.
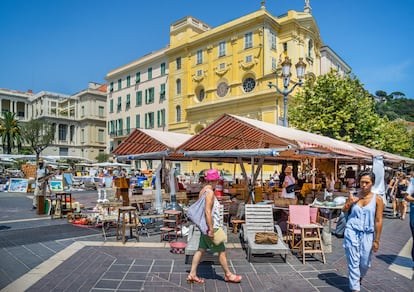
<point x="379" y="171"/>
<point x="111" y="164"/>
<point x="158" y="194"/>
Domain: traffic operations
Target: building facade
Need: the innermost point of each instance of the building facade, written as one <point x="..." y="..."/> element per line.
<point x="227" y="69"/>
<point x="137" y="97"/>
<point x="79" y="120"/>
<point x="332" y="61"/>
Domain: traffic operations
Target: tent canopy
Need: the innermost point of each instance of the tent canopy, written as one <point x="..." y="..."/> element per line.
<point x="111" y="164"/>
<point x="151" y="144"/>
<point x="234" y="132"/>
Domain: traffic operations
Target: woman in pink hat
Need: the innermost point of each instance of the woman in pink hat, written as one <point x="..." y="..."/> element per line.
<point x="213" y="221"/>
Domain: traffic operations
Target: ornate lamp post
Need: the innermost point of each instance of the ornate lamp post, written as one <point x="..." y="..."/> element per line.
<point x="300" y="73"/>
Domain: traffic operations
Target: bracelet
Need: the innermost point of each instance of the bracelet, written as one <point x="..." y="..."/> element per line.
<point x="376" y="241"/>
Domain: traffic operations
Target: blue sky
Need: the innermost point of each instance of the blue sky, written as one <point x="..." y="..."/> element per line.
<point x="61" y="45"/>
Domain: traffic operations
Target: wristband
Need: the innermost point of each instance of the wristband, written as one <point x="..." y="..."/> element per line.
<point x="376" y="241"/>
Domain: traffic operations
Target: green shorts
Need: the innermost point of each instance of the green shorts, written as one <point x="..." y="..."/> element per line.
<point x="207" y="243"/>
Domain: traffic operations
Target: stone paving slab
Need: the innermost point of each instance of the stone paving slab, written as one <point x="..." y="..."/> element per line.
<point x="82" y="261"/>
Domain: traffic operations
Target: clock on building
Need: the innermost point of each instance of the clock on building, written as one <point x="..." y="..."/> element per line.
<point x="222" y="89"/>
<point x="249" y="84"/>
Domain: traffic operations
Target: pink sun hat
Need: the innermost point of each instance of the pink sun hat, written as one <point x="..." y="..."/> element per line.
<point x="212" y="174"/>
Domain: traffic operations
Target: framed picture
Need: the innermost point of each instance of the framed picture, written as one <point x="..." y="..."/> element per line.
<point x="56" y="185"/>
<point x="18" y="185"/>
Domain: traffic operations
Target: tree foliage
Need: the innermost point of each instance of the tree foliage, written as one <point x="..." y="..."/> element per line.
<point x="395" y="138"/>
<point x="337" y="107"/>
<point x="395" y="108"/>
<point x="102" y="157"/>
<point x="10" y="132"/>
<point x="38" y="134"/>
<point x="340" y="108"/>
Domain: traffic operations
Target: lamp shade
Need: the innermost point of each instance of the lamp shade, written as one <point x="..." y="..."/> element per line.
<point x="286" y="64"/>
<point x="300" y="68"/>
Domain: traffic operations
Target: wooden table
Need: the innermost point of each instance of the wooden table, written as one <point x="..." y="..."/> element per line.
<point x="108" y="220"/>
<point x="330" y="209"/>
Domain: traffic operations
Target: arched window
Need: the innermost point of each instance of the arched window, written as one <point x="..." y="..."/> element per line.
<point x="178" y="84"/>
<point x="200" y="93"/>
<point x="310" y="48"/>
<point x="178" y="113"/>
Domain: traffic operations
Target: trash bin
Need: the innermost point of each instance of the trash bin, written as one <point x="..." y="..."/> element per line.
<point x="47" y="207"/>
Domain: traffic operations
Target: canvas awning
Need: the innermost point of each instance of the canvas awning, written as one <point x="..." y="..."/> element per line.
<point x="388" y="157"/>
<point x="234" y="132"/>
<point x="151" y="144"/>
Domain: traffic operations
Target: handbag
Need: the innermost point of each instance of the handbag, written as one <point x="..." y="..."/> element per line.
<point x="219" y="236"/>
<point x="196" y="213"/>
<point x="292" y="188"/>
<point x="266" y="238"/>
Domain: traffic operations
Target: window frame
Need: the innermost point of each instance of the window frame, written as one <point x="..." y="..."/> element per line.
<point x="138" y="98"/>
<point x="163" y="69"/>
<point x="248" y="40"/>
<point x="178" y="63"/>
<point x="199" y="57"/>
<point x="222" y="49"/>
<point x="149" y="72"/>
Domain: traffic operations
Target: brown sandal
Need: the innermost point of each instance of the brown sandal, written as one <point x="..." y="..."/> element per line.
<point x="232" y="278"/>
<point x="194" y="280"/>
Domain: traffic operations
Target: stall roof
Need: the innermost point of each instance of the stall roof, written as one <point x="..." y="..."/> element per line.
<point x="234" y="132"/>
<point x="151" y="144"/>
<point x="388" y="157"/>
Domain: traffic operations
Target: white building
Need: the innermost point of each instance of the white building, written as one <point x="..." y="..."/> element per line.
<point x="137" y="97"/>
<point x="331" y="60"/>
<point x="79" y="120"/>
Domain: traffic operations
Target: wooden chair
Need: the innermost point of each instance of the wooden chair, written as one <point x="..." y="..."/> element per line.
<point x="298" y="214"/>
<point x="305" y="236"/>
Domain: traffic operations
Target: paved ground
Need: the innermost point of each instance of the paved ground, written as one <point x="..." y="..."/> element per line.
<point x="39" y="254"/>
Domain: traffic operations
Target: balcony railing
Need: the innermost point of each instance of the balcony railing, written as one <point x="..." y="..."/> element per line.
<point x="120" y="133"/>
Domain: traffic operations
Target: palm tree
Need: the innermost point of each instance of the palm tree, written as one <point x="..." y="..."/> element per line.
<point x="10" y="131"/>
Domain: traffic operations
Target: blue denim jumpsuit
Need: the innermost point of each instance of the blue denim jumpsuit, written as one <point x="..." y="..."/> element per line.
<point x="358" y="240"/>
<point x="410" y="191"/>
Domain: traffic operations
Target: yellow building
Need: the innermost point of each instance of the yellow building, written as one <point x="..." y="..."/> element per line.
<point x="227" y="69"/>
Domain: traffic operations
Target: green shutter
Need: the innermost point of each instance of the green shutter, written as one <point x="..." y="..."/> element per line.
<point x="138" y="121"/>
<point x="162" y="69"/>
<point x="149" y="73"/>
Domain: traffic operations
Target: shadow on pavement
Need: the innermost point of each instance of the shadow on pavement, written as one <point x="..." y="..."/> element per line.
<point x="396" y="260"/>
<point x="338" y="281"/>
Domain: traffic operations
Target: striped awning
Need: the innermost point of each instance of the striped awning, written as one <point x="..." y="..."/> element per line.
<point x="151" y="144"/>
<point x="234" y="132"/>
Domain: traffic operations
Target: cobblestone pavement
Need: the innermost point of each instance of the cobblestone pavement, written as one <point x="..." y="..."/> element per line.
<point x="39" y="254"/>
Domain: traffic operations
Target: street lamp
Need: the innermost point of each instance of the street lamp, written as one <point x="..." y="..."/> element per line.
<point x="300" y="73"/>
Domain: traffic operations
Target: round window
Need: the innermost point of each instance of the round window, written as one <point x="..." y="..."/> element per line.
<point x="222" y="89"/>
<point x="249" y="84"/>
